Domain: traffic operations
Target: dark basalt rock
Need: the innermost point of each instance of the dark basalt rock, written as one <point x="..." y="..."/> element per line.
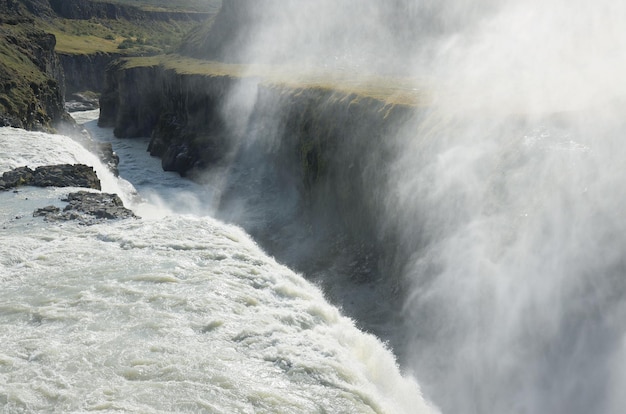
<point x="99" y="205"/>
<point x="16" y="178"/>
<point x="66" y="175"/>
<point x="62" y="175"/>
<point x="46" y="211"/>
<point x="178" y="159"/>
<point x="87" y="208"/>
<point x="104" y="151"/>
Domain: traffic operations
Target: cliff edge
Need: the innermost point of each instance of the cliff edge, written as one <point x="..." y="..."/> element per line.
<point x="295" y="153"/>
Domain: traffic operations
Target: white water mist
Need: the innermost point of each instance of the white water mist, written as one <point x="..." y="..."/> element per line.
<point x="506" y="194"/>
<point x="510" y="194"/>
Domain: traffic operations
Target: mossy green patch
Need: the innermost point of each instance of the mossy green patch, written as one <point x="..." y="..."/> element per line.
<point x="26" y="92"/>
<point x="116" y="36"/>
<point x="171" y="5"/>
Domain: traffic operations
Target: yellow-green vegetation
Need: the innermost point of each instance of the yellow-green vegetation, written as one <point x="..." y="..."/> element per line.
<point x="28" y="96"/>
<point x="119" y="36"/>
<point x="17" y="73"/>
<point x="209" y="6"/>
<point x="391" y="90"/>
<point x="30" y="73"/>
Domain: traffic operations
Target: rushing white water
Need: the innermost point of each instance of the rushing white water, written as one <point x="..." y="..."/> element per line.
<point x="168" y="313"/>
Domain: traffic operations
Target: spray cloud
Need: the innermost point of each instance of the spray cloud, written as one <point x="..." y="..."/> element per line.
<point x="505" y="195"/>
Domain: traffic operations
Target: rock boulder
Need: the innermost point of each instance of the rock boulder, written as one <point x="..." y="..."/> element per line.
<point x="62" y="175"/>
<point x="87" y="208"/>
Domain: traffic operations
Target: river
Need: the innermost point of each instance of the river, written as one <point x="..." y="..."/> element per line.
<point x="173" y="312"/>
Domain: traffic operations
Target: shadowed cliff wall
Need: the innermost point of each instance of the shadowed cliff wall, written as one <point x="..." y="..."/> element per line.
<point x="295" y="167"/>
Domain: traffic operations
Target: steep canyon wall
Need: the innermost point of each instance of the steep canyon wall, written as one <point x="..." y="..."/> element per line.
<point x="296" y="167"/>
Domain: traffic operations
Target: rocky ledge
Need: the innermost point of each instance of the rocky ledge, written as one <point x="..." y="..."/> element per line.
<point x="87" y="208"/>
<point x="62" y="175"/>
<point x="84" y="206"/>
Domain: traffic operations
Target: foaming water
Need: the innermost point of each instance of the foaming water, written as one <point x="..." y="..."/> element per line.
<point x="161" y="192"/>
<point x="167" y="313"/>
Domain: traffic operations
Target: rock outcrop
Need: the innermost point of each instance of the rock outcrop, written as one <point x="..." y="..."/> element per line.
<point x="62" y="175"/>
<point x="85" y="72"/>
<point x="31" y="91"/>
<point x="87" y="208"/>
<point x="33" y="77"/>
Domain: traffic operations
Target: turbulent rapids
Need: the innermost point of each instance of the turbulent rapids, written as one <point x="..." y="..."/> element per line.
<point x="167" y="313"/>
<point x="450" y="174"/>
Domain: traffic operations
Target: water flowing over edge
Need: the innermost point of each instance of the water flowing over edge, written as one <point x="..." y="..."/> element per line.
<point x="167" y="313"/>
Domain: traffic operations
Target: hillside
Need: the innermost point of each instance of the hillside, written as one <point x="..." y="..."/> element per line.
<point x="129" y="27"/>
<point x="50" y="46"/>
<point x="31" y="80"/>
<point x="203" y="6"/>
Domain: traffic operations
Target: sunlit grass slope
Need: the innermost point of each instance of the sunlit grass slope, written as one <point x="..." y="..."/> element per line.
<point x="116" y="36"/>
<point x="172" y="5"/>
<point x="392" y="90"/>
<point x="131" y="37"/>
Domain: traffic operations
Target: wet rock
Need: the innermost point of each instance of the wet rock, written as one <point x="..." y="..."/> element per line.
<point x="178" y="159"/>
<point x="99" y="205"/>
<point x="87" y="208"/>
<point x="104" y="151"/>
<point x="62" y="175"/>
<point x="66" y="175"/>
<point x="45" y="211"/>
<point x="16" y="178"/>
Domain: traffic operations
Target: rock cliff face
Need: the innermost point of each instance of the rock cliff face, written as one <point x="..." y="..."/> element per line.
<point x="31" y="91"/>
<point x="31" y="76"/>
<point x="85" y="72"/>
<point x="180" y="112"/>
<point x="298" y="168"/>
<point x="277" y="31"/>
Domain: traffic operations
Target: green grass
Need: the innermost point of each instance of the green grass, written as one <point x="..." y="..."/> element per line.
<point x="27" y="93"/>
<point x="391" y="90"/>
<point x="116" y="36"/>
<point x="172" y="5"/>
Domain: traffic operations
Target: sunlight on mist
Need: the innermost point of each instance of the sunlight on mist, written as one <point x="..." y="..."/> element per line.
<point x="506" y="193"/>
